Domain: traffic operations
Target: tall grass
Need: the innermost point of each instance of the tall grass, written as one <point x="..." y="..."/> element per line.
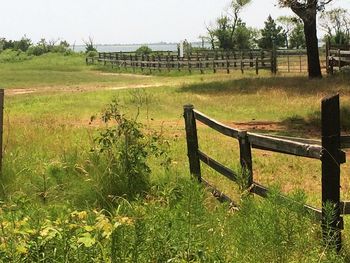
<point x="50" y="209"/>
<point x="177" y="222"/>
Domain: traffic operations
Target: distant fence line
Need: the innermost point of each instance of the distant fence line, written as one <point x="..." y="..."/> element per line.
<point x="328" y="151"/>
<point x="200" y="61"/>
<point x="281" y="60"/>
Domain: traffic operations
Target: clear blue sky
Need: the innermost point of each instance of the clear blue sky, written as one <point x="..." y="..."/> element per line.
<point x="124" y="21"/>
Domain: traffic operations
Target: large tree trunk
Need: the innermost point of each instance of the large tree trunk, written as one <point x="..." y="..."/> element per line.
<point x="313" y="58"/>
<point x="308" y="12"/>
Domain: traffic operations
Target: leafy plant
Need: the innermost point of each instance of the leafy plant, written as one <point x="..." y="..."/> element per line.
<point x="90" y="45"/>
<point x="122" y="151"/>
<point x="144" y="50"/>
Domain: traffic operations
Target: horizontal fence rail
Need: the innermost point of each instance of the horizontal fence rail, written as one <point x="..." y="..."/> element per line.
<point x="263" y="142"/>
<point x="328" y="151"/>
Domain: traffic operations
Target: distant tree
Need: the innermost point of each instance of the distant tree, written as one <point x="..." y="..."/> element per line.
<point x="223" y="33"/>
<point x="307" y="10"/>
<point x="244" y="36"/>
<point x="23" y="44"/>
<point x="234" y="11"/>
<point x="89" y="45"/>
<point x="8" y="44"/>
<point x="297" y="37"/>
<point x="271" y="35"/>
<point x="293" y="31"/>
<point x="336" y="24"/>
<point x="44" y="46"/>
<point x="211" y="35"/>
<point x="144" y="50"/>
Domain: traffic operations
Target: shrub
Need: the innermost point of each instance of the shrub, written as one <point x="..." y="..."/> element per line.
<point x="36" y="50"/>
<point x="144" y="50"/>
<point x="10" y="55"/>
<point x="90" y="45"/>
<point x="23" y="44"/>
<point x="121" y="154"/>
<point x="92" y="54"/>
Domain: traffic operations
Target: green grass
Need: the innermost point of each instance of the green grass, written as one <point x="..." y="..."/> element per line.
<point x="48" y="137"/>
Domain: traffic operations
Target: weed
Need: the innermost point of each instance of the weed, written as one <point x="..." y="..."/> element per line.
<point x="122" y="151"/>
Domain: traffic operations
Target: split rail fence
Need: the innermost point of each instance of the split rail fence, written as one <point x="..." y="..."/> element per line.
<point x="328" y="151"/>
<point x="281" y="60"/>
<point x="200" y="61"/>
<point x="337" y="56"/>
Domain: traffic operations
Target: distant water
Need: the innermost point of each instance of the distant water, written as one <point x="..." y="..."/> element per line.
<point x="134" y="47"/>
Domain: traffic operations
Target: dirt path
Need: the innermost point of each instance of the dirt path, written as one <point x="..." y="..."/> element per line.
<point x="54" y="89"/>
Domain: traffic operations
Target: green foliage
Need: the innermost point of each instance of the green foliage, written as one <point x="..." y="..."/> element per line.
<point x="6" y="44"/>
<point x="43" y="47"/>
<point x="297" y="37"/>
<point x="23" y="44"/>
<point x="122" y="153"/>
<point x="92" y="54"/>
<point x="271" y="35"/>
<point x="230" y="31"/>
<point x="90" y="45"/>
<point x="9" y="55"/>
<point x="178" y="223"/>
<point x="336" y="24"/>
<point x="223" y="33"/>
<point x="144" y="50"/>
<point x="293" y="29"/>
<point x="20" y="45"/>
<point x="243" y="38"/>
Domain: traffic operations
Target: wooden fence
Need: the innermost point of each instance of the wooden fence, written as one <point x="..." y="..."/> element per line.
<point x="337" y="56"/>
<point x="201" y="61"/>
<point x="281" y="60"/>
<point x="292" y="61"/>
<point x="328" y="151"/>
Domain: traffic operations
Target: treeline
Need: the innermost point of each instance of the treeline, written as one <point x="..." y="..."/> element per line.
<point x="229" y="31"/>
<point x="43" y="46"/>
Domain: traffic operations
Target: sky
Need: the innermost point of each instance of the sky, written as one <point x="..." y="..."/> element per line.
<point x="125" y="21"/>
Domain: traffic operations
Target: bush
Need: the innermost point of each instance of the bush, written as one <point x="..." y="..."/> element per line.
<point x="22" y="44"/>
<point x="36" y="50"/>
<point x="121" y="156"/>
<point x="9" y="55"/>
<point x="92" y="54"/>
<point x="144" y="50"/>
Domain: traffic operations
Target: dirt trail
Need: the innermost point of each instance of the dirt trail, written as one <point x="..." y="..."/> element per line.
<point x="67" y="89"/>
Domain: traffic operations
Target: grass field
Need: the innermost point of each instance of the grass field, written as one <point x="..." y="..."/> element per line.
<point x="50" y="186"/>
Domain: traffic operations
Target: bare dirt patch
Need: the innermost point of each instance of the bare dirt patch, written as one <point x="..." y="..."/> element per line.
<point x="67" y="89"/>
<point x="124" y="75"/>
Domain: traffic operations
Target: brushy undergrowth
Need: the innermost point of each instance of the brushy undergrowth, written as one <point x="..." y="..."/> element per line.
<point x="120" y="159"/>
<point x="176" y="222"/>
<point x="10" y="56"/>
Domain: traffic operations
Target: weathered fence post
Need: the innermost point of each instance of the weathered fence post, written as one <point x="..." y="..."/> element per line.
<point x="192" y="142"/>
<point x="327" y="55"/>
<point x="331" y="160"/>
<point x="2" y="96"/>
<point x="228" y="64"/>
<point x="274" y="60"/>
<point x="262" y="58"/>
<point x="246" y="157"/>
<point x="251" y="59"/>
